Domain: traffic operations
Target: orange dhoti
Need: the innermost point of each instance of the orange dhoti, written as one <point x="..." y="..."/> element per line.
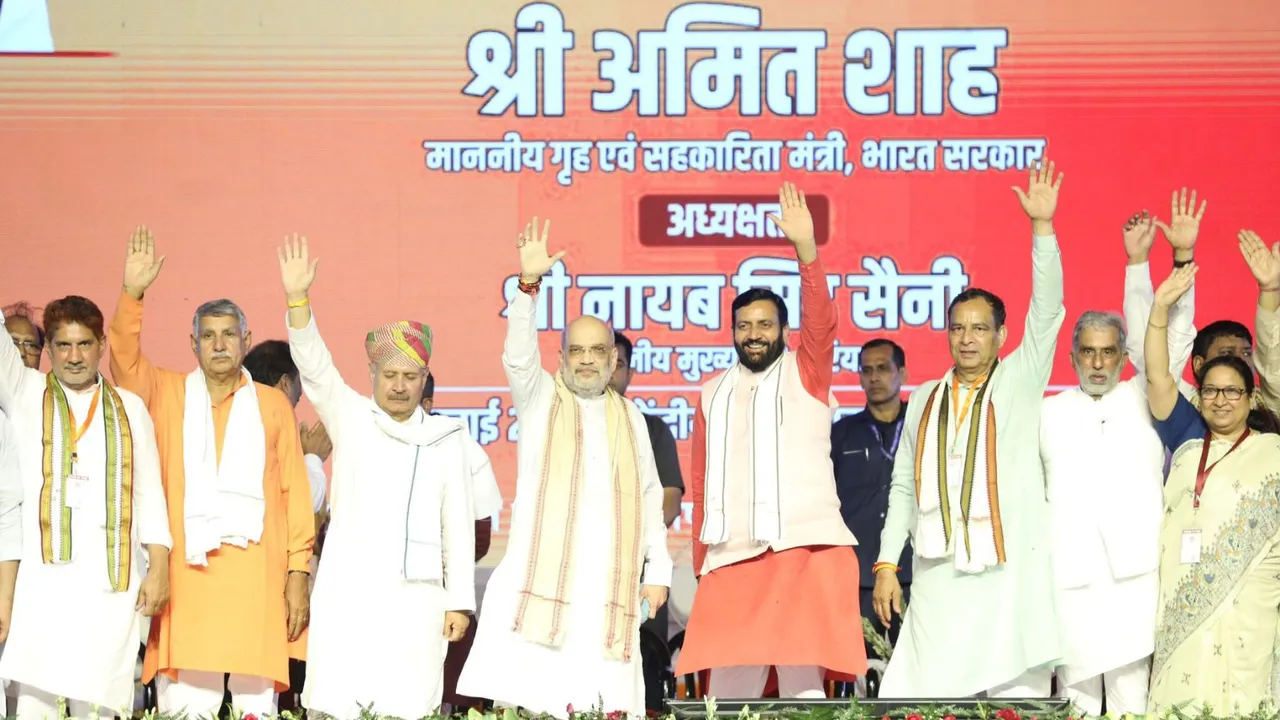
<point x="795" y="607"/>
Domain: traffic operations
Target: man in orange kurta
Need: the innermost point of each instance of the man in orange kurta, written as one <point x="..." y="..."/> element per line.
<point x="242" y="606"/>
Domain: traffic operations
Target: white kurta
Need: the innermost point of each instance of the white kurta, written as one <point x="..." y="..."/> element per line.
<point x="1139" y="296"/>
<point x="10" y="493"/>
<point x="486" y="498"/>
<point x="1005" y="614"/>
<point x="1104" y="466"/>
<point x="377" y="638"/>
<point x="1104" y="469"/>
<point x="503" y="665"/>
<point x="10" y="501"/>
<point x="72" y="635"/>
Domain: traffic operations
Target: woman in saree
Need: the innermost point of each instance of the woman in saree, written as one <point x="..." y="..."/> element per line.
<point x="1216" y="624"/>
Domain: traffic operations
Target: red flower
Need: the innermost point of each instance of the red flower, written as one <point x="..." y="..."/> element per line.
<point x="913" y="716"/>
<point x="614" y="715"/>
<point x="948" y="717"/>
<point x="250" y="716"/>
<point x="569" y="708"/>
<point x="886" y="717"/>
<point x="1007" y="714"/>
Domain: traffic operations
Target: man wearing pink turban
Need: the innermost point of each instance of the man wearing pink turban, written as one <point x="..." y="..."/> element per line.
<point x="397" y="577"/>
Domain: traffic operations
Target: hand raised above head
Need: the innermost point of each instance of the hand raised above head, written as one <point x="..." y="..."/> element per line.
<point x="1040" y="200"/>
<point x="141" y="266"/>
<point x="534" y="260"/>
<point x="1139" y="234"/>
<point x="297" y="269"/>
<point x="1263" y="262"/>
<point x="1176" y="285"/>
<point x="1182" y="230"/>
<point x="796" y="222"/>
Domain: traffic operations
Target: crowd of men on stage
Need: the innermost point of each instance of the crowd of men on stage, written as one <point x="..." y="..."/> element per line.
<point x="194" y="498"/>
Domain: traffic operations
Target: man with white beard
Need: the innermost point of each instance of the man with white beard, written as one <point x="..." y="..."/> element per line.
<point x="586" y="559"/>
<point x="1104" y="473"/>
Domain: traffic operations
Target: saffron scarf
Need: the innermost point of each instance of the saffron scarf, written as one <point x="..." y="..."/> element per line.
<point x="543" y="599"/>
<point x="981" y="527"/>
<point x="55" y="515"/>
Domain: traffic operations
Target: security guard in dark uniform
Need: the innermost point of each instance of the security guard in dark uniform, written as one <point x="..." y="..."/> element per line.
<point x="862" y="451"/>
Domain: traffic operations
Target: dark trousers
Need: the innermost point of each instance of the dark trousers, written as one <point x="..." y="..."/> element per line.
<point x="655" y="660"/>
<point x="453" y="662"/>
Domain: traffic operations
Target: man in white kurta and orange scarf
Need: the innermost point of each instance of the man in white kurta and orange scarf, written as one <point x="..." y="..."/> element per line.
<point x="968" y="488"/>
<point x="399" y="572"/>
<point x="93" y="503"/>
<point x="587" y="558"/>
<point x="239" y="508"/>
<point x="779" y="577"/>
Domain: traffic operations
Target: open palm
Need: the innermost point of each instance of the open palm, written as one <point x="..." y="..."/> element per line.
<point x="1040" y="200"/>
<point x="1264" y="263"/>
<point x="1139" y="234"/>
<point x="796" y="222"/>
<point x="141" y="266"/>
<point x="1182" y="230"/>
<point x="534" y="260"/>
<point x="297" y="269"/>
<point x="1176" y="285"/>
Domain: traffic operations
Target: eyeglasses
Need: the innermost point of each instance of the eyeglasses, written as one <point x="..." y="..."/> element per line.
<point x="27" y="346"/>
<point x="599" y="352"/>
<point x="1230" y="393"/>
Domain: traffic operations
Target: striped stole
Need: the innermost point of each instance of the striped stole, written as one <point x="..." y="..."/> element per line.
<point x="981" y="526"/>
<point x="55" y="516"/>
<point x="544" y="596"/>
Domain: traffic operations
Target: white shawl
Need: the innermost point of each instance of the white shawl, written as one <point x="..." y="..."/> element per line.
<point x="423" y="522"/>
<point x="764" y="456"/>
<point x="982" y="538"/>
<point x="224" y="501"/>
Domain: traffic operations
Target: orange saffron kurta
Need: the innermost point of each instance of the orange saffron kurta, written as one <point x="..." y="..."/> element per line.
<point x="229" y="617"/>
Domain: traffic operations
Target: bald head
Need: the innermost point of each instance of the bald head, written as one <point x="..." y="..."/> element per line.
<point x="587" y="356"/>
<point x="586" y="330"/>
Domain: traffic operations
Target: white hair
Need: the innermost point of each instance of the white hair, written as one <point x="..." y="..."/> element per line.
<point x="1098" y="320"/>
<point x="219" y="308"/>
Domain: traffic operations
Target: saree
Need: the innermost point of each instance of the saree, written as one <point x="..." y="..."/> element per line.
<point x="1216" y="624"/>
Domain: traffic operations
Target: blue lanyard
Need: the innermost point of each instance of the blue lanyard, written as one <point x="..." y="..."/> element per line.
<point x="897" y="435"/>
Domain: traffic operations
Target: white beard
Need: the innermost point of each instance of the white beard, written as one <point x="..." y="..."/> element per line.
<point x="586" y="392"/>
<point x="1098" y="389"/>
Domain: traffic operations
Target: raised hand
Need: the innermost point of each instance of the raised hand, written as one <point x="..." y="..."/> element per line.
<point x="297" y="269"/>
<point x="534" y="260"/>
<point x="1040" y="200"/>
<point x="1139" y="235"/>
<point x="1263" y="262"/>
<point x="1181" y="232"/>
<point x="140" y="263"/>
<point x="796" y="222"/>
<point x="1176" y="285"/>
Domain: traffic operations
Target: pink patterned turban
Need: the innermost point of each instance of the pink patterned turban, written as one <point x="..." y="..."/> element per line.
<point x="405" y="338"/>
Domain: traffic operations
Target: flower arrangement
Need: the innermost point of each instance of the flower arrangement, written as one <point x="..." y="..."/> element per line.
<point x="770" y="710"/>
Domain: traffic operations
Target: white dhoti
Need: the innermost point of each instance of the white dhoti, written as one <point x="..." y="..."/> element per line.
<point x="199" y="694"/>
